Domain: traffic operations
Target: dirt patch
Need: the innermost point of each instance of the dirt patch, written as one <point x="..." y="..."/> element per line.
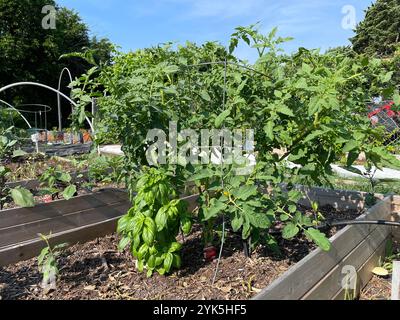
<point x="96" y="270"/>
<point x="378" y="289"/>
<point x="29" y="169"/>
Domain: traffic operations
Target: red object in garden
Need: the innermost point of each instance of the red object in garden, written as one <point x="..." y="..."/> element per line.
<point x="210" y="253"/>
<point x="386" y="108"/>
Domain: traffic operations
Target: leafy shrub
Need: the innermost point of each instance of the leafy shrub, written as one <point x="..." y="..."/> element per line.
<point x="310" y="105"/>
<point x="106" y="169"/>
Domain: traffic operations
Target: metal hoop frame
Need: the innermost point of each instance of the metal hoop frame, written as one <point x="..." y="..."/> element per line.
<point x="59" y="97"/>
<point x="16" y="110"/>
<point x="36" y="84"/>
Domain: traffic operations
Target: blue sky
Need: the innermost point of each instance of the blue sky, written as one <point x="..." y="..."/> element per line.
<point x="142" y="23"/>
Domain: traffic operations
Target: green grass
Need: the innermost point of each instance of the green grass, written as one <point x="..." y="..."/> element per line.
<point x="359" y="184"/>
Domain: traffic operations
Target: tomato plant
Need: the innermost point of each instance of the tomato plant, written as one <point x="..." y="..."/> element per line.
<point x="307" y="104"/>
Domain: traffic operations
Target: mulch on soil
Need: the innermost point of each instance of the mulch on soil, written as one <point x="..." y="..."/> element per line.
<point x="380" y="288"/>
<point x="32" y="169"/>
<point x="96" y="270"/>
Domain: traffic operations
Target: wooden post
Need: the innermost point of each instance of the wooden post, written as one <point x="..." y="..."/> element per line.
<point x="396" y="281"/>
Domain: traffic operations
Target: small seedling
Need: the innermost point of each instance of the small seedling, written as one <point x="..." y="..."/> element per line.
<point x="54" y="180"/>
<point x="47" y="263"/>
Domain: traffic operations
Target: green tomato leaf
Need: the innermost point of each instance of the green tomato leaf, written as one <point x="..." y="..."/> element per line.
<point x="216" y="207"/>
<point x="290" y="231"/>
<point x="82" y="114"/>
<point x="350" y="146"/>
<point x="221" y="118"/>
<point x="203" y="174"/>
<point x="319" y="238"/>
<point x="246" y="230"/>
<point x="171" y="69"/>
<point x="69" y="192"/>
<point x="245" y="192"/>
<point x="22" y="197"/>
<point x="396" y="99"/>
<point x="285" y="110"/>
<point x="237" y="223"/>
<point x="205" y="96"/>
<point x="269" y="130"/>
<point x="284" y="217"/>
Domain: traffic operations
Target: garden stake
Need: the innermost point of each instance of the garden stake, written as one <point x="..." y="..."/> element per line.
<point x="222" y="179"/>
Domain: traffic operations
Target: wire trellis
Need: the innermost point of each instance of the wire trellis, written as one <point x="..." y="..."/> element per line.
<point x="226" y="64"/>
<point x="381" y="114"/>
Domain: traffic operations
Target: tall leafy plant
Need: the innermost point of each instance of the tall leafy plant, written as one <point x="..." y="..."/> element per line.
<point x="309" y="105"/>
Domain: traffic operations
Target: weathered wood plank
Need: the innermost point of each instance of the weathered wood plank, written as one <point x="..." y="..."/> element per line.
<point x="332" y="282"/>
<point x="13" y="217"/>
<point x="364" y="274"/>
<point x="21" y="233"/>
<point x="302" y="277"/>
<point x="30" y="249"/>
<point x="69" y="227"/>
<point x="339" y="199"/>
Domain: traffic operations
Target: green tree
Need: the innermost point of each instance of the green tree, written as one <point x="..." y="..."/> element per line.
<point x="29" y="52"/>
<point x="379" y="33"/>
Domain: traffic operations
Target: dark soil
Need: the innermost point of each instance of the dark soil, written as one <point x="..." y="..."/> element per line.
<point x="96" y="270"/>
<point x="332" y="214"/>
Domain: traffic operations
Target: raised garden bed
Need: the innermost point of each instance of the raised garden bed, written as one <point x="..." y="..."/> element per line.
<point x="319" y="275"/>
<point x="80" y="219"/>
<point x="97" y="271"/>
<point x="62" y="150"/>
<point x="29" y="167"/>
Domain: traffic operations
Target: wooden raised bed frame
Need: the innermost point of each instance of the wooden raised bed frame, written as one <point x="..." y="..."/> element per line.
<point x="317" y="276"/>
<point x="80" y="219"/>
